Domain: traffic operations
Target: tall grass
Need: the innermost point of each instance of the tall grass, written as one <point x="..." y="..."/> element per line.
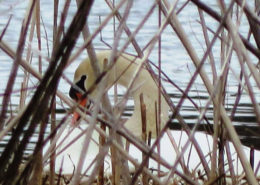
<point x="37" y="106"/>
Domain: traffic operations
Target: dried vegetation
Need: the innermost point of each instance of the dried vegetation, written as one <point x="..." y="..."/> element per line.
<point x="37" y="106"/>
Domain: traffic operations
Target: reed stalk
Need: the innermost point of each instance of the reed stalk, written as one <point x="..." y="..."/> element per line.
<point x="18" y="56"/>
<point x="53" y="119"/>
<point x="10" y="170"/>
<point x="34" y="113"/>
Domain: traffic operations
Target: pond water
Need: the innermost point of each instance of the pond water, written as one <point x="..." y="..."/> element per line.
<point x="176" y="63"/>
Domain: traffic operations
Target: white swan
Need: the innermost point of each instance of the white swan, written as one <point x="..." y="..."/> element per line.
<point x="122" y="72"/>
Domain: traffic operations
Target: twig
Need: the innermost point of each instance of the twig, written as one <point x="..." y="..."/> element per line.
<point x="6" y="26"/>
<point x="41" y="98"/>
<point x="216" y="16"/>
<point x="18" y="56"/>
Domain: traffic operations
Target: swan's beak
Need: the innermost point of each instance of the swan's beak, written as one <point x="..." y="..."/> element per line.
<point x="80" y="98"/>
<point x="81" y="101"/>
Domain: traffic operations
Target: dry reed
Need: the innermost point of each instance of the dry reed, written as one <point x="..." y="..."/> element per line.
<point x="37" y="107"/>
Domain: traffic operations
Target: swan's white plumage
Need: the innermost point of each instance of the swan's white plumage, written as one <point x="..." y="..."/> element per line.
<point x="123" y="71"/>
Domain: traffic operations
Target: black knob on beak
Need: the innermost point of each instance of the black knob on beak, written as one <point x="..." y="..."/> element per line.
<point x="75" y="89"/>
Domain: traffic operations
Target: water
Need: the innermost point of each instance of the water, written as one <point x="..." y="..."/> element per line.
<point x="176" y="63"/>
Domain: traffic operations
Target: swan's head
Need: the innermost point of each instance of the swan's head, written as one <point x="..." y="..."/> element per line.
<point x="84" y="79"/>
<point x="79" y="88"/>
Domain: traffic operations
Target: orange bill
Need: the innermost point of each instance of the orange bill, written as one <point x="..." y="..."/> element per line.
<point x="82" y="101"/>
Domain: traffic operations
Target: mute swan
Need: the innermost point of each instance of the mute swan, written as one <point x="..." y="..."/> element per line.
<point x="123" y="71"/>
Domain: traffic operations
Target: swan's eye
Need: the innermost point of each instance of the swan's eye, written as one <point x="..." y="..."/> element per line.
<point x="78" y="87"/>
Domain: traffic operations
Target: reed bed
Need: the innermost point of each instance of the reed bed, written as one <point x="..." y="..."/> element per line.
<point x="36" y="119"/>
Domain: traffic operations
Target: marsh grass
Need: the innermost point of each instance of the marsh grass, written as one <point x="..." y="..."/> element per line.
<point x="37" y="108"/>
